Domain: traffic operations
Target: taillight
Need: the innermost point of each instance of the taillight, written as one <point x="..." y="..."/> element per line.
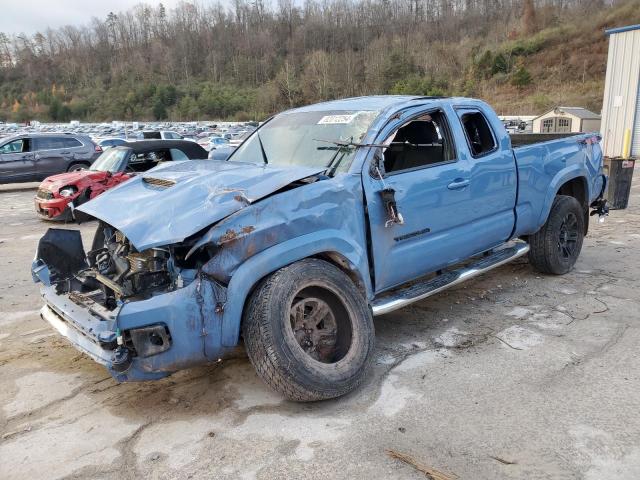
<point x="98" y="149"/>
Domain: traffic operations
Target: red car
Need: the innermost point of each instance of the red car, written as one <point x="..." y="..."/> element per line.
<point x="58" y="195"/>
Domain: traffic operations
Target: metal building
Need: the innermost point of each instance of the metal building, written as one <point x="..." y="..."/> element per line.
<point x="567" y="120"/>
<point x="621" y="103"/>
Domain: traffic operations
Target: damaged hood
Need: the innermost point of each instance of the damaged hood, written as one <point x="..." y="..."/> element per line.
<point x="171" y="202"/>
<point x="55" y="182"/>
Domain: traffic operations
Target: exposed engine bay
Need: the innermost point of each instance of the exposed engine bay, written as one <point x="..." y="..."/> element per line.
<point x="126" y="272"/>
<point x="113" y="271"/>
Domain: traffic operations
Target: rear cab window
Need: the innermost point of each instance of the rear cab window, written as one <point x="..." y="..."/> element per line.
<point x="480" y="136"/>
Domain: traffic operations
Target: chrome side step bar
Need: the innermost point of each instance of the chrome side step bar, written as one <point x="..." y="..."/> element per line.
<point x="418" y="291"/>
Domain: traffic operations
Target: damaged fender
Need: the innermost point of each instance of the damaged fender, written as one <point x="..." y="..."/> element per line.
<point x="258" y="240"/>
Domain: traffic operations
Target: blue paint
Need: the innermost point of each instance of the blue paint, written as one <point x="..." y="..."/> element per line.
<point x="203" y="193"/>
<point x="256" y="221"/>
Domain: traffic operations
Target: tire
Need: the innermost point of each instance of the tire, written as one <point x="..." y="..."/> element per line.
<point x="324" y="359"/>
<point x="556" y="246"/>
<point x="76" y="167"/>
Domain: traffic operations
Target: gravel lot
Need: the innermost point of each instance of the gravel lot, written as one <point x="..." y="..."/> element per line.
<point x="512" y="375"/>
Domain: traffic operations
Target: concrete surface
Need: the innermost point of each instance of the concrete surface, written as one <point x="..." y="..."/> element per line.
<point x="18" y="187"/>
<point x="512" y="375"/>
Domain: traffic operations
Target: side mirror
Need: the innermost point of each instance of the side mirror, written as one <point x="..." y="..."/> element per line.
<point x="387" y="195"/>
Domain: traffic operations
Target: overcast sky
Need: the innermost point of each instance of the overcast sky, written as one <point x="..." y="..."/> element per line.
<point x="30" y="16"/>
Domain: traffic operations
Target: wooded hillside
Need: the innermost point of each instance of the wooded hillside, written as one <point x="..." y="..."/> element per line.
<point x="252" y="59"/>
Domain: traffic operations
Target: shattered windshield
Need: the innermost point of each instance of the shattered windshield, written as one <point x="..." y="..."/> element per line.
<point x="305" y="139"/>
<point x="113" y="160"/>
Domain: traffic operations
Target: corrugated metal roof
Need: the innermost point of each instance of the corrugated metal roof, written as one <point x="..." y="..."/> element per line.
<point x="628" y="28"/>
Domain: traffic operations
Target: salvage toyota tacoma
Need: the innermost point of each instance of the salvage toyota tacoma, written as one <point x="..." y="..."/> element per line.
<point x="325" y="216"/>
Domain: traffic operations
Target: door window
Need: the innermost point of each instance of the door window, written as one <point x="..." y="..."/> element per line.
<point x="547" y="125"/>
<point x="421" y="142"/>
<point x="70" y="142"/>
<point x="141" y="162"/>
<point x="50" y="143"/>
<point x="478" y="133"/>
<point x="17" y="146"/>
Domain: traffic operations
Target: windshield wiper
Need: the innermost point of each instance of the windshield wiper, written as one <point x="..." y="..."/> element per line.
<point x="351" y="143"/>
<point x="334" y="163"/>
<point x="264" y="154"/>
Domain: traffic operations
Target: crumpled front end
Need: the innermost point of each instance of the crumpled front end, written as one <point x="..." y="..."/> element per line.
<point x="50" y="205"/>
<point x="149" y="302"/>
<point x="140" y="314"/>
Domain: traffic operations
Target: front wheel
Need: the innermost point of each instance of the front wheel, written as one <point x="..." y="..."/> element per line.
<point x="309" y="332"/>
<point x="556" y="246"/>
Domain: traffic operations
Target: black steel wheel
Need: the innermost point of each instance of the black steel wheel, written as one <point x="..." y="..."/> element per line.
<point x="568" y="236"/>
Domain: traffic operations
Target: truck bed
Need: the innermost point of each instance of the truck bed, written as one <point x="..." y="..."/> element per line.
<point x="547" y="161"/>
<point x="522" y="139"/>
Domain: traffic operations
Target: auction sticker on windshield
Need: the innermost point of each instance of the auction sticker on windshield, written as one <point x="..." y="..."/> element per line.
<point x="334" y="119"/>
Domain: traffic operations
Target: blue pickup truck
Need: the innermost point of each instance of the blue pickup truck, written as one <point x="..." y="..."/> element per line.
<point x="325" y="216"/>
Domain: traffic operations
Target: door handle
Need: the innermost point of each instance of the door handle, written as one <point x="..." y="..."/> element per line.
<point x="65" y="153"/>
<point x="458" y="184"/>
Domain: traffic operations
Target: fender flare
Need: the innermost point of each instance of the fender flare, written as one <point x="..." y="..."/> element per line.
<point x="558" y="180"/>
<point x="268" y="261"/>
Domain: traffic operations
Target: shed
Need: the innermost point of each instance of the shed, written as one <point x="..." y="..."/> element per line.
<point x="621" y="102"/>
<point x="567" y="120"/>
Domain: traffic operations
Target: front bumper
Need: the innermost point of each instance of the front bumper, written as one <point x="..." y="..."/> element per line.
<point x="55" y="208"/>
<point x="82" y="342"/>
<point x="190" y="315"/>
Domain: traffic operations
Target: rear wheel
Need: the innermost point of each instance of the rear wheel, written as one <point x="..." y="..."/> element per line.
<point x="556" y="246"/>
<point x="309" y="332"/>
<point x="76" y="167"/>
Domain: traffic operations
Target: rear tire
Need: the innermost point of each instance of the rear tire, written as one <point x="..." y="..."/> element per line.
<point x="308" y="331"/>
<point x="76" y="167"/>
<point x="556" y="246"/>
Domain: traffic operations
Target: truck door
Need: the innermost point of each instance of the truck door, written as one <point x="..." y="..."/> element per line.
<point x="17" y="161"/>
<point x="448" y="201"/>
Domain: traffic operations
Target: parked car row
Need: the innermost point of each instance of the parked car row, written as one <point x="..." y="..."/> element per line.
<point x="76" y="169"/>
<point x="132" y="130"/>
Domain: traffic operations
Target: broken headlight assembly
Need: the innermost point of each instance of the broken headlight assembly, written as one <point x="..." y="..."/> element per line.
<point x="151" y="340"/>
<point x="67" y="191"/>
